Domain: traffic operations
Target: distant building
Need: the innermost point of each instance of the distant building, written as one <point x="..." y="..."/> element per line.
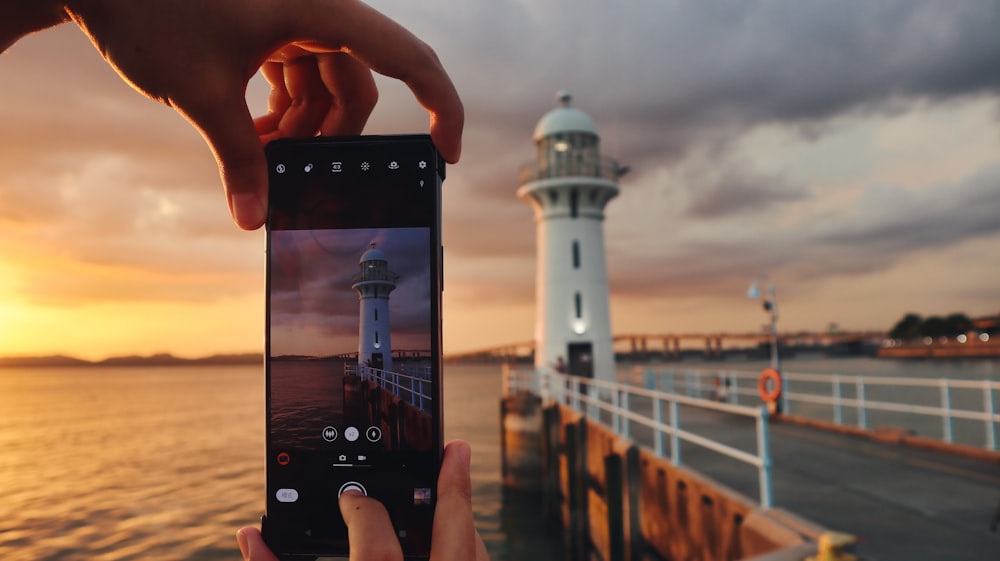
<point x="373" y="285"/>
<point x="987" y="324"/>
<point x="568" y="187"/>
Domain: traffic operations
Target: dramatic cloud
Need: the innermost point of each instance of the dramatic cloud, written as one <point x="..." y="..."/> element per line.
<point x="856" y="141"/>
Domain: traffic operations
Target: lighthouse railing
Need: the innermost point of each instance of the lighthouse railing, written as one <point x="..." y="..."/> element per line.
<point x="574" y="165"/>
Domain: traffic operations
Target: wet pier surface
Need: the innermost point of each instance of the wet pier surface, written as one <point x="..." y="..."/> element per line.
<point x="904" y="503"/>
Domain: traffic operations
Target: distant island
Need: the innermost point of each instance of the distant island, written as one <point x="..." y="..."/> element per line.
<point x="160" y="359"/>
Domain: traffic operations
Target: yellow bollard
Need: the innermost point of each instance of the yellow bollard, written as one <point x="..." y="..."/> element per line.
<point x="832" y="546"/>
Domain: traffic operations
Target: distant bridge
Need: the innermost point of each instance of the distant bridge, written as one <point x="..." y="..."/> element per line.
<point x="671" y="345"/>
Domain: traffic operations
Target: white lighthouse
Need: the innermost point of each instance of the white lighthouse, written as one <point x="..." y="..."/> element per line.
<point x="373" y="286"/>
<point x="568" y="187"/>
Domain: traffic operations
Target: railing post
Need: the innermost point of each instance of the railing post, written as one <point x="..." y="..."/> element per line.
<point x="764" y="453"/>
<point x="946" y="406"/>
<point x="593" y="398"/>
<point x="786" y="407"/>
<point x="675" y="438"/>
<point x="989" y="405"/>
<point x="576" y="395"/>
<point x="616" y="416"/>
<point x="658" y="436"/>
<point x="625" y="410"/>
<point x="838" y="418"/>
<point x="862" y="417"/>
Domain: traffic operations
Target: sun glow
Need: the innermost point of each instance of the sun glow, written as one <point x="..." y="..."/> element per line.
<point x="99" y="328"/>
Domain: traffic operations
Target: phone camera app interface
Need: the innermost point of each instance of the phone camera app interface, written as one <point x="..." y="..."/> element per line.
<point x="353" y="342"/>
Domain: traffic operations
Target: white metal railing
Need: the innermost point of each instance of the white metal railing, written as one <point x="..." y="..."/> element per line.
<point x="412" y="384"/>
<point x="592" y="397"/>
<point x="850" y="394"/>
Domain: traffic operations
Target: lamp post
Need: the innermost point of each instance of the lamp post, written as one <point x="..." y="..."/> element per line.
<point x="770" y="306"/>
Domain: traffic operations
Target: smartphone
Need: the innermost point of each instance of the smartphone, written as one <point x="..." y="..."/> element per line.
<point x="353" y="338"/>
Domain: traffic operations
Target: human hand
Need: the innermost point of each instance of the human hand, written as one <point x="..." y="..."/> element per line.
<point x="318" y="56"/>
<point x="371" y="534"/>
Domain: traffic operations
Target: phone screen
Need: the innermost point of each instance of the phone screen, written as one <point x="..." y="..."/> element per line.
<point x="353" y="340"/>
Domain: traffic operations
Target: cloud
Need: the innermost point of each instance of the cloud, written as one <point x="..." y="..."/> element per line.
<point x="96" y="177"/>
<point x="892" y="220"/>
<point x="730" y="191"/>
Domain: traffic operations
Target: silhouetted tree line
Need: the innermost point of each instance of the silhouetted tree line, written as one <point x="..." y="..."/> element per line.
<point x="912" y="326"/>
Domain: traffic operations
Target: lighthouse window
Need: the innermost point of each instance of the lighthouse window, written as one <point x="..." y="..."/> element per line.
<point x="376" y="338"/>
<point x="553" y="196"/>
<point x="376" y="314"/>
<point x="574" y="204"/>
<point x="576" y="254"/>
<point x="578" y="300"/>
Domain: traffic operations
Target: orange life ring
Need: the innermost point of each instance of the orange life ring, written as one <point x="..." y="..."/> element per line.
<point x="770" y="395"/>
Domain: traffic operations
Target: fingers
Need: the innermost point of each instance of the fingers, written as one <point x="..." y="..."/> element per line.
<point x="299" y="100"/>
<point x="369" y="530"/>
<point x="277" y="102"/>
<point x="252" y="545"/>
<point x="221" y="115"/>
<point x="389" y="49"/>
<point x="354" y="94"/>
<point x="455" y="534"/>
<point x="327" y="93"/>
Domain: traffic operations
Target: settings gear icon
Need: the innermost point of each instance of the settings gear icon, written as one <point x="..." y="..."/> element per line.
<point x="422" y="164"/>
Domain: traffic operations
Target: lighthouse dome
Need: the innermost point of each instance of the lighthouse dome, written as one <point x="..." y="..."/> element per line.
<point x="564" y="119"/>
<point x="373" y="254"/>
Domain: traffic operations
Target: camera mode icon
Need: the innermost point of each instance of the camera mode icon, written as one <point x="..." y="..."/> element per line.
<point x="329" y="434"/>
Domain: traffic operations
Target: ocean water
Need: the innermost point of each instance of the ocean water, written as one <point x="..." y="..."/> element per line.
<point x="167" y="463"/>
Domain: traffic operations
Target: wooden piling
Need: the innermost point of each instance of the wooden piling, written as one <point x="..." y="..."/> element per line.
<point x="616" y="501"/>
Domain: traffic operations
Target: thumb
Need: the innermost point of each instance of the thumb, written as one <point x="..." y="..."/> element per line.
<point x="454" y="534"/>
<point x="227" y="126"/>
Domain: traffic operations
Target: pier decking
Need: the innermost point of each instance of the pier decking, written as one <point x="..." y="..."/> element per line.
<point x="903" y="502"/>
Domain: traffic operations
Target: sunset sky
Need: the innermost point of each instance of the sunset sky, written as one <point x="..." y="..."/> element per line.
<point x="848" y="150"/>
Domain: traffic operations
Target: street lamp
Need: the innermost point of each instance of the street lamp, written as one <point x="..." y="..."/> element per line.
<point x="771" y="306"/>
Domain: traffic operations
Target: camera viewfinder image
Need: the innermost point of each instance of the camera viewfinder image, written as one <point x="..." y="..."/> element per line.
<point x="350" y="340"/>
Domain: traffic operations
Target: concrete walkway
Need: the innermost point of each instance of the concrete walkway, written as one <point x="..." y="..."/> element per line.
<point x="906" y="504"/>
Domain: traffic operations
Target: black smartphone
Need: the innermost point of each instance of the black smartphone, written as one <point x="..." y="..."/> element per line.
<point x="353" y="338"/>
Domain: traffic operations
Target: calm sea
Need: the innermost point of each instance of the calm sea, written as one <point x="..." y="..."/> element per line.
<point x="166" y="463"/>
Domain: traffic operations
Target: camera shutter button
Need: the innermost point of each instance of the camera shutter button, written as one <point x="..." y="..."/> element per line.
<point x="352" y="486"/>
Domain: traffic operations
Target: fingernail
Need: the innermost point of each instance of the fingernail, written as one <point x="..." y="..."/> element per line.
<point x="248" y="211"/>
<point x="353" y="493"/>
<point x="241" y="539"/>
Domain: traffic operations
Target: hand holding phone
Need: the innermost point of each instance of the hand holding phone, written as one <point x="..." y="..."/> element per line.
<point x="353" y="341"/>
<point x="455" y="536"/>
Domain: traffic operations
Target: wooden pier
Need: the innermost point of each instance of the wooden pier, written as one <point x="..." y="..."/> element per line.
<point x="614" y="498"/>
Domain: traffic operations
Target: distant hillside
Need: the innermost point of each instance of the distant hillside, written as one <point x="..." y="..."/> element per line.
<point x="42" y="361"/>
<point x="162" y="359"/>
